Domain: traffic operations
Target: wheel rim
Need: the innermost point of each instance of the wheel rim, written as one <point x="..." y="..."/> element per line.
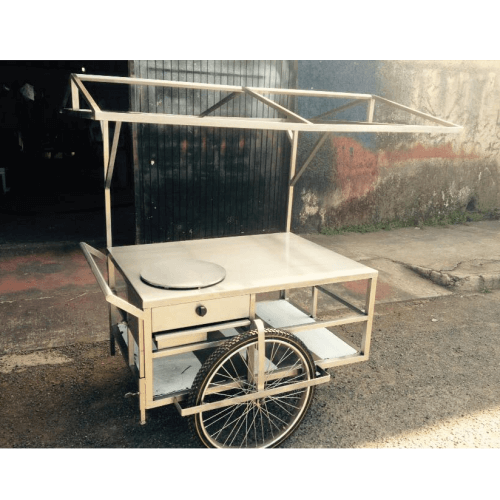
<point x="258" y="423"/>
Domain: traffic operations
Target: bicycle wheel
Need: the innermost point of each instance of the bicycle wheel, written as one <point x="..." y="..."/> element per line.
<point x="229" y="373"/>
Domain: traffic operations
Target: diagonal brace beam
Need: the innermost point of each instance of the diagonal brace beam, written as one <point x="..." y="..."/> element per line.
<point x="316" y="147"/>
<point x="415" y="112"/>
<point x="275" y="105"/>
<point x="85" y="93"/>
<point x="339" y="109"/>
<point x="112" y="158"/>
<point x="217" y="105"/>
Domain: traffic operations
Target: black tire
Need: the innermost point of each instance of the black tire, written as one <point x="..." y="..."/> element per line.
<point x="263" y="423"/>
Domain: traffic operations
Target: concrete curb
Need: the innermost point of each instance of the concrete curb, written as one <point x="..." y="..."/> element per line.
<point x="463" y="282"/>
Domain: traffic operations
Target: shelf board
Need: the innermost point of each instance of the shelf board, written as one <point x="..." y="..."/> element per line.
<point x="323" y="344"/>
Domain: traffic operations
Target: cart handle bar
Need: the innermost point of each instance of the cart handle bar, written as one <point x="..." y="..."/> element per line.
<point x="110" y="297"/>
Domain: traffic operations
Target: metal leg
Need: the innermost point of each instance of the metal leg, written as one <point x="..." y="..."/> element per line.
<point x="142" y="373"/>
<point x="112" y="312"/>
<point x="142" y="399"/>
<point x="112" y="343"/>
<point x="107" y="204"/>
<point x="148" y="358"/>
<point x="131" y="347"/>
<point x="252" y="306"/>
<point x="369" y="309"/>
<point x="314" y="306"/>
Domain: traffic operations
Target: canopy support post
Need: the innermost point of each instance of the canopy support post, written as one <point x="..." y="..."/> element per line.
<point x="293" y="162"/>
<point x="109" y="164"/>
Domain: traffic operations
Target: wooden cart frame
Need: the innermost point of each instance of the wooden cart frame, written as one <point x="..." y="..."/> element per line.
<point x="147" y="316"/>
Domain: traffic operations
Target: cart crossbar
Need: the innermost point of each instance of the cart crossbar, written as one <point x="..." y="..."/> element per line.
<point x="322" y="379"/>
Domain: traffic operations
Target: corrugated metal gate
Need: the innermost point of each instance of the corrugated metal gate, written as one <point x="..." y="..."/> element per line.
<point x="199" y="182"/>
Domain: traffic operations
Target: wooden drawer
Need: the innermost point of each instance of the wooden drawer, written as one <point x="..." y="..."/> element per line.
<point x="186" y="315"/>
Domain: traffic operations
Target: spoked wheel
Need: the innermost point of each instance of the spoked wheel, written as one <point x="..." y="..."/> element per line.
<point x="230" y="373"/>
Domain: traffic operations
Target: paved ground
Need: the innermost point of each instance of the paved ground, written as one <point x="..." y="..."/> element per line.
<point x="49" y="297"/>
<point x="461" y="257"/>
<point x="432" y="380"/>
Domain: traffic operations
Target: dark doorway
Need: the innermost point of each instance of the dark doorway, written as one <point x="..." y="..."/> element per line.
<point x="53" y="163"/>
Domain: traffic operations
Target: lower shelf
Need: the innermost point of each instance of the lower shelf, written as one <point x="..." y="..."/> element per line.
<point x="323" y="344"/>
<point x="175" y="374"/>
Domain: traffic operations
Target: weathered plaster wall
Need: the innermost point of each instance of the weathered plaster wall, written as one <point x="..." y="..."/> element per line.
<point x="368" y="178"/>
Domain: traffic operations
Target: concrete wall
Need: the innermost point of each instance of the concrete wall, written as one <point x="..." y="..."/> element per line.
<point x="369" y="178"/>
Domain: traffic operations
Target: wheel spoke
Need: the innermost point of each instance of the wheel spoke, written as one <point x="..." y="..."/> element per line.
<point x="249" y="406"/>
<point x="237" y="419"/>
<point x="235" y="370"/>
<point x="262" y="425"/>
<point x="232" y="378"/>
<point x="222" y="410"/>
<point x="282" y="382"/>
<point x="264" y="413"/>
<point x="271" y="357"/>
<point x="294" y="396"/>
<point x="244" y="361"/>
<point x="276" y="402"/>
<point x="270" y="413"/>
<point x="277" y="382"/>
<point x="226" y="412"/>
<point x="251" y="425"/>
<point x="289" y="351"/>
<point x="228" y="376"/>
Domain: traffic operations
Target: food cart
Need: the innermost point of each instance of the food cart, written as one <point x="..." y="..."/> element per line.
<point x="193" y="328"/>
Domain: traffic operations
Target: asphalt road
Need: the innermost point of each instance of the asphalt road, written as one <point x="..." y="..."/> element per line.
<point x="432" y="381"/>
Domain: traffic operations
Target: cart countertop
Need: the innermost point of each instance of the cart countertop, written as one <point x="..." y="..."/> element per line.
<point x="253" y="264"/>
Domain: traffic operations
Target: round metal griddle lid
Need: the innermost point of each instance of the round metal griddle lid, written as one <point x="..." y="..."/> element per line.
<point x="183" y="274"/>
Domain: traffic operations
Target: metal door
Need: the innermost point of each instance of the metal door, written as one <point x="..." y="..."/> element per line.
<point x="198" y="182"/>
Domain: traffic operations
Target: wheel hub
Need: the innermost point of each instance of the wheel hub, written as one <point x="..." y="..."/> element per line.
<point x="258" y="402"/>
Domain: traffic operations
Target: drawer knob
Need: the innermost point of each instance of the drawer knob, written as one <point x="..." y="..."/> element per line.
<point x="201" y="310"/>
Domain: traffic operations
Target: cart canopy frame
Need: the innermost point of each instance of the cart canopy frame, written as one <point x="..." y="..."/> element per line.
<point x="291" y="123"/>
